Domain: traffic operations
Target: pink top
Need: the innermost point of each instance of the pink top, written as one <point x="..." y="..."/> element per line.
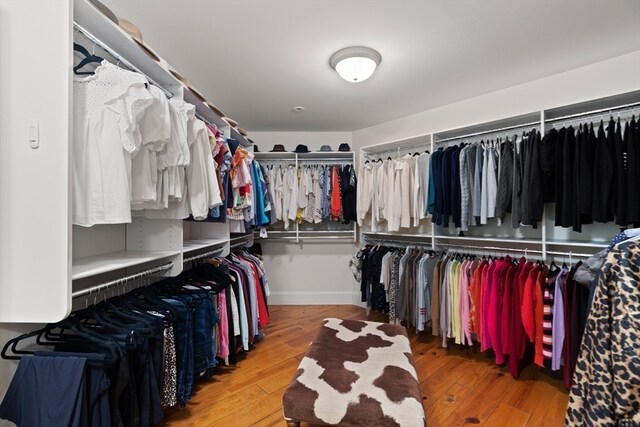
<point x="223" y="325"/>
<point x="485" y="303"/>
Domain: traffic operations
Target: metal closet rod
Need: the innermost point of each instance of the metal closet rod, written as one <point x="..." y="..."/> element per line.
<point x="502" y="249"/>
<point x="487" y="132"/>
<point x="392" y="242"/>
<point x="112" y="283"/>
<point x="238" y="241"/>
<point x="203" y="255"/>
<point x="394" y="150"/>
<point x="327" y="159"/>
<point x="310" y="238"/>
<point x="594" y="112"/>
<point x="119" y="57"/>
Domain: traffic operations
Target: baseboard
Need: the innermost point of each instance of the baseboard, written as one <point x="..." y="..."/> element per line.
<point x="310" y="298"/>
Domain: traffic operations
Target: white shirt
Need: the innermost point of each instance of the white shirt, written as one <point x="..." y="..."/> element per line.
<point x="107" y="108"/>
<point x="422" y="185"/>
<point x="155" y="130"/>
<point x="365" y="192"/>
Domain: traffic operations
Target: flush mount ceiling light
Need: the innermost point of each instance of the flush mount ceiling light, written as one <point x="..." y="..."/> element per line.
<point x="355" y="64"/>
<point x="297" y="109"/>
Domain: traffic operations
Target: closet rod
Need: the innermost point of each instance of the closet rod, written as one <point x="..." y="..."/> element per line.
<point x="203" y="255"/>
<point x="113" y="53"/>
<point x="201" y="117"/>
<point x="502" y="249"/>
<point x="397" y="242"/>
<point x="487" y="132"/>
<point x="239" y="241"/>
<point x="326" y="159"/>
<point x="308" y="238"/>
<point x="368" y="154"/>
<point x="589" y="113"/>
<point x="122" y="280"/>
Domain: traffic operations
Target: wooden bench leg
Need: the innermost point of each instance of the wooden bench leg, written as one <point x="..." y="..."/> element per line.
<point x="293" y="423"/>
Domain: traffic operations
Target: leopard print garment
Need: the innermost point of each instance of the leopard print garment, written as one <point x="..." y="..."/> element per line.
<point x="606" y="383"/>
<point x="169" y="362"/>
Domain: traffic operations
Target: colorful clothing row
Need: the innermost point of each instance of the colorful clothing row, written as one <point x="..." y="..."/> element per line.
<point x="501" y="304"/>
<point x="311" y="193"/>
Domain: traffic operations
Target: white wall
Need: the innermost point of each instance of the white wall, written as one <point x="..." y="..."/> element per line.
<point x="35" y="83"/>
<point x="309" y="272"/>
<point x="610" y="77"/>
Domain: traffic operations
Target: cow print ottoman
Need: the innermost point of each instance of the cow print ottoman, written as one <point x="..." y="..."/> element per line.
<point x="356" y="373"/>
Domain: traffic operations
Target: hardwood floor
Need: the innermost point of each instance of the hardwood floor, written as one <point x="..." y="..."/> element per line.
<point x="459" y="386"/>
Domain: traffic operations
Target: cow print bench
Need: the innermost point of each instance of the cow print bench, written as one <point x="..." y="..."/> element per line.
<point x="356" y="373"/>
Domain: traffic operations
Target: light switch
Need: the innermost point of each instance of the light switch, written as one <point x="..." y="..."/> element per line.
<point x="34" y="134"/>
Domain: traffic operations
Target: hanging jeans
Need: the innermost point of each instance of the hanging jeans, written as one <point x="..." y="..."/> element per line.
<point x="184" y="351"/>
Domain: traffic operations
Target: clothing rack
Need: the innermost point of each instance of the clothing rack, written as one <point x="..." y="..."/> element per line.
<point x="488" y="132"/>
<point x="520" y="250"/>
<point x="132" y="67"/>
<point x="201" y="117"/>
<point x="368" y="155"/>
<point x="298" y="235"/>
<point x="325" y="160"/>
<point x="239" y="241"/>
<point x="392" y="242"/>
<point x="117" y="56"/>
<point x="202" y="255"/>
<point x="122" y="280"/>
<point x="594" y="112"/>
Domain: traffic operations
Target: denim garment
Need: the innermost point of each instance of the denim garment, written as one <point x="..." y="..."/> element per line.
<point x="97" y="386"/>
<point x="184" y="351"/>
<point x="203" y="323"/>
<point x="47" y="391"/>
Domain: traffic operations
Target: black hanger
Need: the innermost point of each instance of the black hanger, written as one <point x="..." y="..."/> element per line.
<point x="427" y="152"/>
<point x="416" y="154"/>
<point x="88" y="59"/>
<point x="69" y="323"/>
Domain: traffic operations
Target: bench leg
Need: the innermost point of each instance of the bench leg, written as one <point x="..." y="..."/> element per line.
<point x="293" y="423"/>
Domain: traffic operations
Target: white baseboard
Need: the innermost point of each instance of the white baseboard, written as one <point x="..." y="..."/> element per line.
<point x="310" y="298"/>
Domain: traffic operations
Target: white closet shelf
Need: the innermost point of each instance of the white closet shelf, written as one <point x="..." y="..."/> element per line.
<point x="492" y="239"/>
<point x="194" y="245"/>
<point x="99" y="264"/>
<point x="577" y="244"/>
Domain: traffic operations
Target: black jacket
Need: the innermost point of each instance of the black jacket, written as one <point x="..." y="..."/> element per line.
<point x="505" y="180"/>
<point x="620" y="182"/>
<point x="603" y="177"/>
<point x="632" y="136"/>
<point x="548" y="147"/>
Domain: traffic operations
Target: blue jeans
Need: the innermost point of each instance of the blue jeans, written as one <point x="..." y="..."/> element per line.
<point x="184" y="351"/>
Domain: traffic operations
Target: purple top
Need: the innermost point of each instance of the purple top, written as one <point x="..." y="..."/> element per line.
<point x="557" y="327"/>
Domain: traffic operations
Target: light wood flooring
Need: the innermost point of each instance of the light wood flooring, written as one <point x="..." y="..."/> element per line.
<point x="459" y="386"/>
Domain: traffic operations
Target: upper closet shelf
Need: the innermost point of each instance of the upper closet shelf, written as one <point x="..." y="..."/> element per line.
<point x="195" y="245"/>
<point x="99" y="264"/>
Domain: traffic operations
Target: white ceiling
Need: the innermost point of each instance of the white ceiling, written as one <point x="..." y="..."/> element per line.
<point x="256" y="59"/>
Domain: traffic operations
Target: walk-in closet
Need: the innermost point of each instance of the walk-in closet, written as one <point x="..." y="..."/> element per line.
<point x="299" y="213"/>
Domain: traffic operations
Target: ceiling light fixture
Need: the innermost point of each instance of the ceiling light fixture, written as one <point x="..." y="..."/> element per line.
<point x="298" y="109"/>
<point x="355" y="64"/>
